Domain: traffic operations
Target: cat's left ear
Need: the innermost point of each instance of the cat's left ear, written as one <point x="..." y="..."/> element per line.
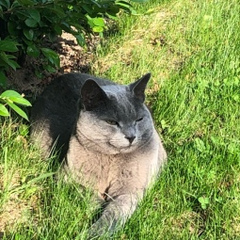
<point x="92" y="95"/>
<point x="138" y="87"/>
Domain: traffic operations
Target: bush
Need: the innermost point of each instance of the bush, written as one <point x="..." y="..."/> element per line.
<point x="25" y="24"/>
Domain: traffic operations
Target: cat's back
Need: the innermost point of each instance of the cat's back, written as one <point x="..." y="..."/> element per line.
<point x="67" y="88"/>
<point x="62" y="95"/>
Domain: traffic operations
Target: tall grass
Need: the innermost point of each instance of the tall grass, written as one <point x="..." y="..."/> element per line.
<point x="192" y="49"/>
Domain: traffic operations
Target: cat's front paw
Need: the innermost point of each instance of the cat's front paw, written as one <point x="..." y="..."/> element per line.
<point x="101" y="229"/>
<point x="96" y="231"/>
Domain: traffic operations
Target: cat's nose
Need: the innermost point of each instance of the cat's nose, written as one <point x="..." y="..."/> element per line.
<point x="130" y="139"/>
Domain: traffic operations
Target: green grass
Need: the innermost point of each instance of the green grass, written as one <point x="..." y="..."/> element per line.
<point x="192" y="49"/>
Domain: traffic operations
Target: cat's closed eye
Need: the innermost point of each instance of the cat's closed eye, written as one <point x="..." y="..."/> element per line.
<point x="111" y="122"/>
<point x="139" y="119"/>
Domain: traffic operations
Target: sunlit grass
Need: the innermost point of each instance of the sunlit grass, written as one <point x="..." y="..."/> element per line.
<point x="192" y="50"/>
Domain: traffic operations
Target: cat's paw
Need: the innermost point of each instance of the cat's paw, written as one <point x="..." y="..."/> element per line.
<point x="96" y="231"/>
<point x="101" y="230"/>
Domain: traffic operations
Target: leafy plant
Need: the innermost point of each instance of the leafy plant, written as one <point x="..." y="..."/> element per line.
<point x="27" y="24"/>
<point x="12" y="98"/>
<point x="204" y="201"/>
<point x="7" y="59"/>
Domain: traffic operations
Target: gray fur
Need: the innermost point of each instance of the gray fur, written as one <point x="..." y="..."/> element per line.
<point x="106" y="135"/>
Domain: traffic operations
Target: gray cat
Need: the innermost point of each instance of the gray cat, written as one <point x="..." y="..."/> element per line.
<point x="106" y="135"/>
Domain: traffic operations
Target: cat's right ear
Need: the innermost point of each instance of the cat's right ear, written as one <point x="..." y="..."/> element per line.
<point x="138" y="87"/>
<point x="91" y="95"/>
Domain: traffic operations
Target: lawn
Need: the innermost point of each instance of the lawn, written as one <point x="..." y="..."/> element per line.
<point x="192" y="49"/>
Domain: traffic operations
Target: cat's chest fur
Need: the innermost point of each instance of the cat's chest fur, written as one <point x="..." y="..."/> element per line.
<point x="115" y="173"/>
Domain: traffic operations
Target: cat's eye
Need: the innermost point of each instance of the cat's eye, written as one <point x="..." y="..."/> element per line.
<point x="111" y="122"/>
<point x="139" y="119"/>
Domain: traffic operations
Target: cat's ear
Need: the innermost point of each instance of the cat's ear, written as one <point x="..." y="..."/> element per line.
<point x="91" y="94"/>
<point x="138" y="87"/>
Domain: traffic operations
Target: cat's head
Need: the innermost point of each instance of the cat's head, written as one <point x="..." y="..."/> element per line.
<point x="114" y="118"/>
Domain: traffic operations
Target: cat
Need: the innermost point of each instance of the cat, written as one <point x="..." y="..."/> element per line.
<point x="105" y="135"/>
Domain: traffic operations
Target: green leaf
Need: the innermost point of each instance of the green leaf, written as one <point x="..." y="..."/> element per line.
<point x="26" y="2"/>
<point x="13" y="64"/>
<point x="5" y="3"/>
<point x="66" y="27"/>
<point x="58" y="29"/>
<point x="88" y="9"/>
<point x="3" y="79"/>
<point x="49" y="68"/>
<point x="80" y="39"/>
<point x="28" y="33"/>
<point x="98" y="22"/>
<point x="112" y="16"/>
<point x="98" y="29"/>
<point x="33" y="51"/>
<point x="34" y="14"/>
<point x="3" y="111"/>
<point x="51" y="56"/>
<point x="21" y="101"/>
<point x="125" y="5"/>
<point x="15" y="4"/>
<point x="18" y="110"/>
<point x="7" y="60"/>
<point x="204" y="201"/>
<point x="8" y="46"/>
<point x="10" y="93"/>
<point x="12" y="28"/>
<point x="15" y="97"/>
<point x="90" y="21"/>
<point x="30" y="22"/>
